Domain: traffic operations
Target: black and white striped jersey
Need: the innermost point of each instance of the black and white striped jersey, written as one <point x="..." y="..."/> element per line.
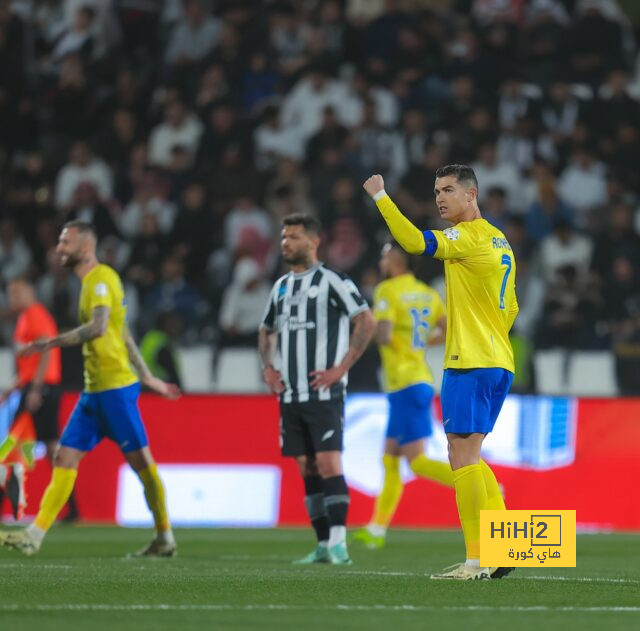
<point x="310" y="312"/>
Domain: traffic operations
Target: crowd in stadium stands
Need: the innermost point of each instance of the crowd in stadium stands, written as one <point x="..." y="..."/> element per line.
<point x="186" y="129"/>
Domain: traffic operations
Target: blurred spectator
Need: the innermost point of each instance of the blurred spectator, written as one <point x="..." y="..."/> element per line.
<point x="622" y="295"/>
<point x="72" y="102"/>
<point x="563" y="248"/>
<point x="260" y="82"/>
<point x="159" y="347"/>
<point x="77" y="39"/>
<point x="495" y="209"/>
<point x="180" y="128"/>
<point x="59" y="290"/>
<point x="172" y="293"/>
<point x="303" y="107"/>
<point x="617" y="238"/>
<point x="222" y="131"/>
<point x="331" y="134"/>
<point x="29" y="194"/>
<point x="288" y="192"/>
<point x="583" y="182"/>
<point x="491" y="174"/>
<point x="147" y="250"/>
<point x="87" y="206"/>
<point x="546" y="211"/>
<point x="194" y="35"/>
<point x="15" y="256"/>
<point x="243" y="303"/>
<point x="273" y="142"/>
<point x="116" y="142"/>
<point x="193" y="231"/>
<point x="83" y="168"/>
<point x="248" y="230"/>
<point x="288" y="36"/>
<point x="570" y="313"/>
<point x="213" y="88"/>
<point x="149" y="198"/>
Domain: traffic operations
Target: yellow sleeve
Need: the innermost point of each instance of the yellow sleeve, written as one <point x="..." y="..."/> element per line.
<point x="456" y="242"/>
<point x="513" y="311"/>
<point x="403" y="231"/>
<point x="383" y="303"/>
<point x="100" y="294"/>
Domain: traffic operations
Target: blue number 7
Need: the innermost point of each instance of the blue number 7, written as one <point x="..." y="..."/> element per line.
<point x="506" y="260"/>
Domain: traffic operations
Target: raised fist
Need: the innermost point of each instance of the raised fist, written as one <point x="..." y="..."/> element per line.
<point x="374" y="185"/>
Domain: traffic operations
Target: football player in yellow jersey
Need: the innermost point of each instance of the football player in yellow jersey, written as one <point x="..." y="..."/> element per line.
<point x="481" y="307"/>
<point x="410" y="316"/>
<point x="108" y="406"/>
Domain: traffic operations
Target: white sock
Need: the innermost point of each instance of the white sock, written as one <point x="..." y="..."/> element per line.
<point x="35" y="533"/>
<point x="474" y="563"/>
<point x="324" y="544"/>
<point x="337" y="534"/>
<point x="376" y="530"/>
<point x="166" y="536"/>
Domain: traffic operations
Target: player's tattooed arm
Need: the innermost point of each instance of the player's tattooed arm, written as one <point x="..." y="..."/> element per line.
<point x="84" y="333"/>
<point x="136" y="357"/>
<point x="364" y="326"/>
<point x="164" y="388"/>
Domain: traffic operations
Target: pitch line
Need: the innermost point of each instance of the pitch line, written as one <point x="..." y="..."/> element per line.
<point x="276" y="607"/>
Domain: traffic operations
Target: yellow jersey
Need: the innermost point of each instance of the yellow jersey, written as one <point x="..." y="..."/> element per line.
<point x="106" y="359"/>
<point x="481" y="302"/>
<point x="413" y="308"/>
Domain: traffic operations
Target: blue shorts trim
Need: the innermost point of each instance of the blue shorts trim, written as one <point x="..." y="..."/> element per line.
<point x="410" y="413"/>
<point x="110" y="414"/>
<point x="472" y="399"/>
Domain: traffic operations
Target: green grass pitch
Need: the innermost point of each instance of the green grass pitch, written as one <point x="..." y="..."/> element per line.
<point x="243" y="579"/>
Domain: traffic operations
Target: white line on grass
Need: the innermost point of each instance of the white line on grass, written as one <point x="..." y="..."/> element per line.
<point x="35" y="566"/>
<point x="582" y="579"/>
<point x="276" y="607"/>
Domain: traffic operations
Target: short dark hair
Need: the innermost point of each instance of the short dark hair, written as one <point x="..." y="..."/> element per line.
<point x="462" y="172"/>
<point x="83" y="227"/>
<point x="310" y="224"/>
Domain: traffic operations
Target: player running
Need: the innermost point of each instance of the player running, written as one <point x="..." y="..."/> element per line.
<point x="410" y="316"/>
<point x="108" y="406"/>
<point x="481" y="307"/>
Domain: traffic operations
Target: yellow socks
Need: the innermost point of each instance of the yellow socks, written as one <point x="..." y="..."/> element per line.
<point x="387" y="501"/>
<point x="154" y="494"/>
<point x="495" y="501"/>
<point x="471" y="497"/>
<point x="432" y="469"/>
<point x="55" y="497"/>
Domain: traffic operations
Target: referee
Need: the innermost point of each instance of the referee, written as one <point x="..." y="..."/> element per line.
<point x="309" y="312"/>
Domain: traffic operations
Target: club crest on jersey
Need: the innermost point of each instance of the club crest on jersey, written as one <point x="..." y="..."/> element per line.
<point x="452" y="234"/>
<point x="101" y="289"/>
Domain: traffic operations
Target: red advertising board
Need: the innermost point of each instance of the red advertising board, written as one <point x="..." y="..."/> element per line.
<point x="590" y="463"/>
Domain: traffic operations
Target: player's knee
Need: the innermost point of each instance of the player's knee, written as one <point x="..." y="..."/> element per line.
<point x="329" y="466"/>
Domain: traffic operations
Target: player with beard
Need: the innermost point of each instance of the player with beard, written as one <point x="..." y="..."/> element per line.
<point x="309" y="313"/>
<point x="108" y="406"/>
